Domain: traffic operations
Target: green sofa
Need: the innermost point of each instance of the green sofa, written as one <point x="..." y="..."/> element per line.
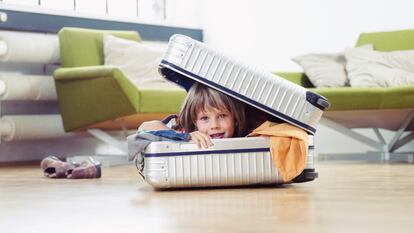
<point x="93" y="95"/>
<point x="385" y="108"/>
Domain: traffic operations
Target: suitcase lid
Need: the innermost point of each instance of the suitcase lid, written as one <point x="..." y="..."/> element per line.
<point x="187" y="61"/>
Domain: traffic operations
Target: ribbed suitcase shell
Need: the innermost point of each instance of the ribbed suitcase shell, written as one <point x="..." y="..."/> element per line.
<point x="230" y="162"/>
<point x="270" y="93"/>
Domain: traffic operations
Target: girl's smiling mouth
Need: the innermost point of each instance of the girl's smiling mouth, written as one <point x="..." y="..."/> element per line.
<point x="217" y="135"/>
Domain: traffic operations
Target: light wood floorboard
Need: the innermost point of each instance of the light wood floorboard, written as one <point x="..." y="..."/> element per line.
<point x="347" y="197"/>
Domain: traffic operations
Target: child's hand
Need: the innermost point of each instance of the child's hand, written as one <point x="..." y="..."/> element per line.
<point x="201" y="139"/>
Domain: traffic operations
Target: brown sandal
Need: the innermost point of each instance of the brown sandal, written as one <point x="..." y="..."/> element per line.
<point x="55" y="168"/>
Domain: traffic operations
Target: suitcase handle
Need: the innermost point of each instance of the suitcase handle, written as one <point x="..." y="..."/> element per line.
<point x="317" y="100"/>
<point x="140" y="167"/>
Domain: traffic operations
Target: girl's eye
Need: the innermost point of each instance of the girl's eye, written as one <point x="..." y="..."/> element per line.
<point x="204" y="118"/>
<point x="223" y="115"/>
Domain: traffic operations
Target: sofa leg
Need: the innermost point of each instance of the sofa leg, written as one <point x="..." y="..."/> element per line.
<point x="350" y="133"/>
<point x="396" y="142"/>
<point x="385" y="154"/>
<point x="107" y="160"/>
<point x="108" y="139"/>
<point x="384" y="148"/>
<point x="411" y="158"/>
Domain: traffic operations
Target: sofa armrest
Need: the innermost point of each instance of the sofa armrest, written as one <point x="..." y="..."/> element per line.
<point x="93" y="94"/>
<point x="296" y="77"/>
<point x="84" y="72"/>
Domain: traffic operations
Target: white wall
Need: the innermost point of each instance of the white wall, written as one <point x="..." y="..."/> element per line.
<point x="185" y="13"/>
<point x="268" y="33"/>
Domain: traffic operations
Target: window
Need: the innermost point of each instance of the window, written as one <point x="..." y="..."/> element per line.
<point x="141" y="9"/>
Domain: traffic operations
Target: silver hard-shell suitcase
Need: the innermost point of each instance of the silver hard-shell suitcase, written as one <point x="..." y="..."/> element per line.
<point x="231" y="161"/>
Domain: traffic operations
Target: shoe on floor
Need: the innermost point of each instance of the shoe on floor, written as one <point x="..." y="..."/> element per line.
<point x="55" y="168"/>
<point x="87" y="169"/>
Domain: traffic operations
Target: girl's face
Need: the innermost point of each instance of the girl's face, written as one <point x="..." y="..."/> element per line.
<point x="215" y="122"/>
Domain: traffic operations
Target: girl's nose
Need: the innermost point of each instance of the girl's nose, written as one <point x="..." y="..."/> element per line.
<point x="214" y="123"/>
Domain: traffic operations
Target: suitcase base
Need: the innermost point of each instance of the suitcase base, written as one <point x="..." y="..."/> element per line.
<point x="230" y="162"/>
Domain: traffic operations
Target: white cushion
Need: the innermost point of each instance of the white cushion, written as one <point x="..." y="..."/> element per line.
<point x="325" y="69"/>
<point x="379" y="69"/>
<point x="136" y="60"/>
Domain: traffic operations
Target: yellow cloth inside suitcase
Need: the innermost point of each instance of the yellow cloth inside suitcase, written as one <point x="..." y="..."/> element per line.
<point x="288" y="147"/>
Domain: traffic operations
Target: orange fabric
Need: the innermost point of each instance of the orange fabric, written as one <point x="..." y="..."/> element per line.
<point x="288" y="147"/>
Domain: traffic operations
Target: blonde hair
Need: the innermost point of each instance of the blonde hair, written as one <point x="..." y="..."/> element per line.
<point x="200" y="97"/>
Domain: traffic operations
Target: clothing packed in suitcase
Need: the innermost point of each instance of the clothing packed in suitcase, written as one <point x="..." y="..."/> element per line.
<point x="230" y="161"/>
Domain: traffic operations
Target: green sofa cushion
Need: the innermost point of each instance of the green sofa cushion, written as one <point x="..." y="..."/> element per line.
<point x="352" y="98"/>
<point x="345" y="98"/>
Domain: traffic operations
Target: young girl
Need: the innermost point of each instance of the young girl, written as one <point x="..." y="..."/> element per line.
<point x="207" y="114"/>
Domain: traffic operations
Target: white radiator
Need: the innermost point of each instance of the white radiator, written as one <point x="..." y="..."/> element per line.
<point x="29" y="47"/>
<point x="27" y="87"/>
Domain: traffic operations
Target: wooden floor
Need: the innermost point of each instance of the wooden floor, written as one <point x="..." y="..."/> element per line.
<point x="347" y="197"/>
